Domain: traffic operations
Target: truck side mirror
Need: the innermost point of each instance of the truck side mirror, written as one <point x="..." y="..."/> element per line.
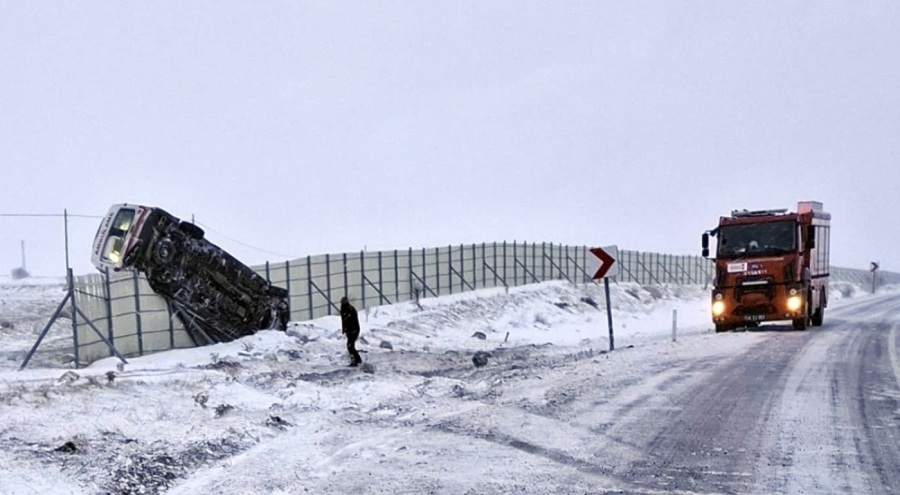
<point x="811" y="237"/>
<point x="704" y="241"/>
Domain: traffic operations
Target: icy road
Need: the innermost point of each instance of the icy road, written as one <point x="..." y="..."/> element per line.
<point x="766" y="411"/>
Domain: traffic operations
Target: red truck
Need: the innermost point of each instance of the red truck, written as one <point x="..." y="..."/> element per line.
<point x="771" y="265"/>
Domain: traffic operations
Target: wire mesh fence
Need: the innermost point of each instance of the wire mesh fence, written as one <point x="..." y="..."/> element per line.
<point x="123" y="308"/>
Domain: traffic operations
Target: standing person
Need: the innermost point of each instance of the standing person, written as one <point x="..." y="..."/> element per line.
<point x="350" y="327"/>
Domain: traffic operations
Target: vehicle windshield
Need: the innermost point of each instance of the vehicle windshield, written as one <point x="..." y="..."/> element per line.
<point x="760" y="238"/>
<point x="116" y="236"/>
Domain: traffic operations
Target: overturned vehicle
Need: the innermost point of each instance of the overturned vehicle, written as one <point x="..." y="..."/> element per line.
<point x="216" y="297"/>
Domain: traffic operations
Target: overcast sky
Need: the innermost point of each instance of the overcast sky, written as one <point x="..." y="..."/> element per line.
<point x="304" y="128"/>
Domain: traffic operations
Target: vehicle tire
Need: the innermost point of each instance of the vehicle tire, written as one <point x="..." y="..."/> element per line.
<point x="818" y="315"/>
<point x="164" y="252"/>
<point x="191" y="230"/>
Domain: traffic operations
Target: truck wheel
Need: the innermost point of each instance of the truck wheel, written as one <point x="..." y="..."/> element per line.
<point x="164" y="252"/>
<point x="802" y="322"/>
<point x="819" y="315"/>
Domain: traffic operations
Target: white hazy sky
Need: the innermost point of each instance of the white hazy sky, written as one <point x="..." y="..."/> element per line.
<point x="311" y="127"/>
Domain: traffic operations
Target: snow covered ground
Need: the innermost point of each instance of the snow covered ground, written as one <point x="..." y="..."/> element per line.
<point x="279" y="412"/>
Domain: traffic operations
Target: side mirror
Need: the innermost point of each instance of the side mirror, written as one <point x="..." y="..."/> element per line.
<point x="704" y="242"/>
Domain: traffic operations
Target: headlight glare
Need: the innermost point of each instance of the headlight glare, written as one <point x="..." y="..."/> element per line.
<point x="794" y="303"/>
<point x="718" y="308"/>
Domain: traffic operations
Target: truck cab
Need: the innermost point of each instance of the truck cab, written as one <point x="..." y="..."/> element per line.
<point x="771" y="265"/>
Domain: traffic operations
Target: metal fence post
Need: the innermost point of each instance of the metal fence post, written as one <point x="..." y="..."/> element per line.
<point x="396" y="277"/>
<point x="474" y="269"/>
<point x="109" y="319"/>
<point x="505" y="276"/>
<point x="515" y="266"/>
<point x="309" y="287"/>
<point x="437" y="270"/>
<point x="450" y="267"/>
<point x="362" y="277"/>
<point x="137" y="315"/>
<point x="483" y="264"/>
<point x="327" y="281"/>
<point x="287" y="283"/>
<point x="346" y="280"/>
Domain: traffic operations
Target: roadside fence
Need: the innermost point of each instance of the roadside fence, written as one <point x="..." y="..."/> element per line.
<point x="123" y="308"/>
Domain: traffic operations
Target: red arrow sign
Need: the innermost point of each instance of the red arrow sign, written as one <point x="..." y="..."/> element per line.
<point x="606" y="262"/>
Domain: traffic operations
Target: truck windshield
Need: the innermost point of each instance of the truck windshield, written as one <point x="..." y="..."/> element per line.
<point x="760" y="238"/>
<point x="116" y="236"/>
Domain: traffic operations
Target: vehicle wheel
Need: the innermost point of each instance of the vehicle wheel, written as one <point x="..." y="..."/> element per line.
<point x="802" y="322"/>
<point x="819" y="315"/>
<point x="191" y="230"/>
<point x="164" y="252"/>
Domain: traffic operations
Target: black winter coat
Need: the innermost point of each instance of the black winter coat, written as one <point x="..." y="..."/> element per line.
<point x="349" y="319"/>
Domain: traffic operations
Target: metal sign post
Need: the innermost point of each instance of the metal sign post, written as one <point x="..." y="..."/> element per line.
<point x="601" y="264"/>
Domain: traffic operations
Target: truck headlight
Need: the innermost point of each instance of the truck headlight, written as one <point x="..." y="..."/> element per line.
<point x="794" y="303"/>
<point x="718" y="307"/>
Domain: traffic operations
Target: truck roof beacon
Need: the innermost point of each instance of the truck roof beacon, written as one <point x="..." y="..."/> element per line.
<point x="216" y="297"/>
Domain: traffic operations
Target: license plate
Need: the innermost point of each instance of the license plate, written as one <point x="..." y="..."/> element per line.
<point x="754" y="318"/>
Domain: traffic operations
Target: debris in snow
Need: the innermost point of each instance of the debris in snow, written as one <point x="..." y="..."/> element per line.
<point x="67" y="448"/>
<point x="201" y="399"/>
<point x="386" y="345"/>
<point x="222" y="364"/>
<point x="590" y="302"/>
<point x="368" y="368"/>
<point x="68" y="377"/>
<point x="276" y="422"/>
<point x="110" y="376"/>
<point x="480" y="358"/>
<point x="223" y="409"/>
<point x="157" y="470"/>
<point x="479" y="335"/>
<point x="6" y="324"/>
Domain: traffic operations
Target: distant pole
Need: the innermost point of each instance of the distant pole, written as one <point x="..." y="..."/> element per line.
<point x="23" y="255"/>
<point x="612" y="340"/>
<point x="66" y="228"/>
<point x="873" y="267"/>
